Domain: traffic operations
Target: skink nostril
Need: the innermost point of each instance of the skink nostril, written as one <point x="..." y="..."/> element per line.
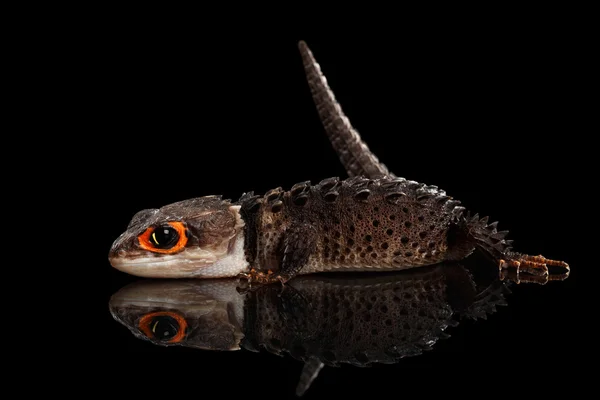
<point x="114" y="253"/>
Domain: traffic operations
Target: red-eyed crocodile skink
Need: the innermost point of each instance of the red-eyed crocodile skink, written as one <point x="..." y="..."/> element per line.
<point x="372" y="221"/>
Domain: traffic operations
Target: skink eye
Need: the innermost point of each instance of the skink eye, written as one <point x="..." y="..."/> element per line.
<point x="164" y="237"/>
<point x="164" y="326"/>
<point x="168" y="238"/>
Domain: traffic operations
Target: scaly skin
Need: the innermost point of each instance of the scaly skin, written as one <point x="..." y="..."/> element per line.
<point x="356" y="224"/>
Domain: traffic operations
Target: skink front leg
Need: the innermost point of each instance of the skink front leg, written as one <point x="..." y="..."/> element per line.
<point x="258" y="277"/>
<point x="299" y="244"/>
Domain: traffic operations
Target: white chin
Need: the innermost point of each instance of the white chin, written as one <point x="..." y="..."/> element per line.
<point x="191" y="263"/>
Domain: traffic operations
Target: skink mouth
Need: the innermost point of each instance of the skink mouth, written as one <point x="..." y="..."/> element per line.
<point x="182" y="265"/>
<point x="121" y="263"/>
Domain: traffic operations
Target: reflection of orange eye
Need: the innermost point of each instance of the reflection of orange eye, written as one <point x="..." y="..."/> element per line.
<point x="165" y="326"/>
<point x="166" y="239"/>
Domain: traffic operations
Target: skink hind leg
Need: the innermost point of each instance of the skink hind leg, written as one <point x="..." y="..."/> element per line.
<point x="542" y="260"/>
<point x="539" y="269"/>
<point x="299" y="243"/>
<point x="534" y="265"/>
<point x="492" y="243"/>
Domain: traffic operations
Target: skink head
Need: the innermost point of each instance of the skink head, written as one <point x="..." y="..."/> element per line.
<point x="191" y="238"/>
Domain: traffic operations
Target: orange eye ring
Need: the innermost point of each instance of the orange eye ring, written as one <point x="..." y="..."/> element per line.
<point x="148" y="325"/>
<point x="147" y="237"/>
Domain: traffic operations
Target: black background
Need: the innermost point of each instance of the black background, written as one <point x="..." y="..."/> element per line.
<point x="490" y="116"/>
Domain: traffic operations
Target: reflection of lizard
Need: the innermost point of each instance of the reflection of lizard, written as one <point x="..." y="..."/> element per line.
<point x="356" y="319"/>
<point x="373" y="221"/>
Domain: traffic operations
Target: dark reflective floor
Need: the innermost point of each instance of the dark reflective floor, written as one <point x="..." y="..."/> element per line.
<point x="324" y="321"/>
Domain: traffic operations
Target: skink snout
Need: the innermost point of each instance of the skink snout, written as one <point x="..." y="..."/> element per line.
<point x="116" y="250"/>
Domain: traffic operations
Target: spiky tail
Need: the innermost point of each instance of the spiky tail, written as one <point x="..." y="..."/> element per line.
<point x="354" y="154"/>
<point x="492" y="243"/>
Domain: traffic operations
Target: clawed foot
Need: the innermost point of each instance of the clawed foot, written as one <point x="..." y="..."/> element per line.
<point x="256" y="279"/>
<point x="535" y="266"/>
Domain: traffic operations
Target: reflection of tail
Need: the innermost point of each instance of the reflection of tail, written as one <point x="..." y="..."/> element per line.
<point x="493" y="244"/>
<point x="309" y="373"/>
<point x="352" y="151"/>
<point x="487" y="301"/>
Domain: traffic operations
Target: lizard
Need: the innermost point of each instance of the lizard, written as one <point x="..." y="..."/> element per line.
<point x="372" y="220"/>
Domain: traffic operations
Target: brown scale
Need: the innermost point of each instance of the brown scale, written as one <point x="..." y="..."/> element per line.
<point x="359" y="225"/>
<point x="273" y="223"/>
<point x="376" y="233"/>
